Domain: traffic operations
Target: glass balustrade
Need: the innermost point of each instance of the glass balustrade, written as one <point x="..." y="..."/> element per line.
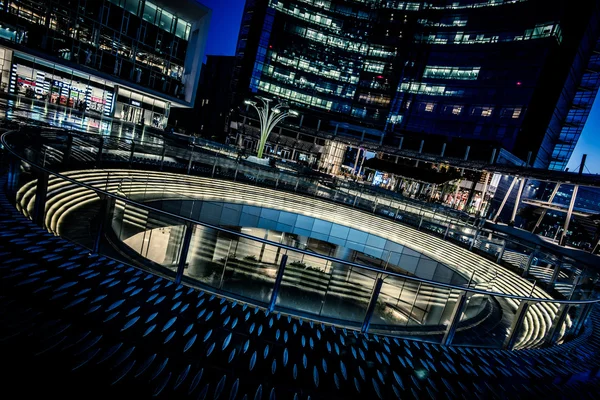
<point x="148" y="220"/>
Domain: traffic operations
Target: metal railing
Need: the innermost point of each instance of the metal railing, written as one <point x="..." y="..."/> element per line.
<point x="285" y="278"/>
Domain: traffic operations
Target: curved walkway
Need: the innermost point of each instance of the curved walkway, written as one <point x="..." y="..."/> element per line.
<point x="143" y="186"/>
<point x="78" y="324"/>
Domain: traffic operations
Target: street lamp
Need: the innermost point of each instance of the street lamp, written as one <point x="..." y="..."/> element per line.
<point x="269" y="117"/>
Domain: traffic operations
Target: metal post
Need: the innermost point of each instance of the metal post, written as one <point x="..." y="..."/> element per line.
<point x="214" y="167"/>
<point x="446" y="233"/>
<point x="401" y="142"/>
<point x="185" y="248"/>
<point x="132" y="153"/>
<point x="515" y="327"/>
<point x="443" y="150"/>
<point x="467" y="152"/>
<point x="483" y="193"/>
<point x="455" y="319"/>
<point x="420" y="222"/>
<point x="504" y="199"/>
<point x="580" y="321"/>
<point x="297" y="182"/>
<point x="278" y="280"/>
<point x="14" y="171"/>
<point x="555" y="274"/>
<point x="100" y="150"/>
<point x="162" y="156"/>
<point x="190" y="160"/>
<point x="456" y="194"/>
<point x="528" y="265"/>
<point x="563" y="236"/>
<point x="543" y="214"/>
<point x="474" y="239"/>
<point x="39" y="206"/>
<point x="501" y="252"/>
<point x="67" y="154"/>
<point x="559" y="319"/>
<point x="517" y="200"/>
<point x="493" y="157"/>
<point x="107" y="207"/>
<point x="375" y="205"/>
<point x="372" y="304"/>
<point x="397" y="212"/>
<point x="237" y="166"/>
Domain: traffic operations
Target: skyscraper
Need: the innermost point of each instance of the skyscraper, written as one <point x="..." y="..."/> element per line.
<point x="516" y="74"/>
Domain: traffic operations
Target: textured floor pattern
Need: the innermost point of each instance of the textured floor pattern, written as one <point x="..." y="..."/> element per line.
<point x="80" y="325"/>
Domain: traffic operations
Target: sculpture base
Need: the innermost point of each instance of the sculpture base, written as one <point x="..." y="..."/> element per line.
<point x="256" y="160"/>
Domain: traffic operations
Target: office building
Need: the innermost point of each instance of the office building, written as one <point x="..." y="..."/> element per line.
<point x="432" y="76"/>
<point x="132" y="60"/>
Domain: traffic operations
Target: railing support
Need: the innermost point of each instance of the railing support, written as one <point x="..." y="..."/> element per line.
<point x="528" y="265"/>
<point x="501" y="252"/>
<point x="100" y="151"/>
<point x="278" y="280"/>
<point x="214" y="168"/>
<point x="552" y="335"/>
<point x="372" y="304"/>
<point x="515" y="327"/>
<point x="162" y="156"/>
<point x="14" y="172"/>
<point x="107" y="207"/>
<point x="132" y="153"/>
<point x="455" y="319"/>
<point x="580" y="321"/>
<point x="185" y="248"/>
<point x="39" y="206"/>
<point x="68" y="150"/>
<point x="189" y="167"/>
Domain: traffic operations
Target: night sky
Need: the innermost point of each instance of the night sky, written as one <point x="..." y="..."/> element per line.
<point x="222" y="38"/>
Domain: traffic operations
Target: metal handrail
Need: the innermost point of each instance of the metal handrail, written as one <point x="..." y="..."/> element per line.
<point x="7" y="145"/>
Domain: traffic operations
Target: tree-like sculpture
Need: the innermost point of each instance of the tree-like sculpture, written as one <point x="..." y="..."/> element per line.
<point x="269" y="117"/>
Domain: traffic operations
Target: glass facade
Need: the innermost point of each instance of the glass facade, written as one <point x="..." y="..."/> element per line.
<point x="133" y="40"/>
<point x="485" y="72"/>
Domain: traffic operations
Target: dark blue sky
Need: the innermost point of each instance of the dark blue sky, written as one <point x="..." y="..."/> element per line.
<point x="224" y="26"/>
<point x="222" y="38"/>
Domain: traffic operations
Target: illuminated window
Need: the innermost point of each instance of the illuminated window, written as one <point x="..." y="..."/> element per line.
<point x="429" y="107"/>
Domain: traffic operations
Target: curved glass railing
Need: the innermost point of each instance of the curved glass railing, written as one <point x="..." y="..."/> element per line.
<point x="285" y="278"/>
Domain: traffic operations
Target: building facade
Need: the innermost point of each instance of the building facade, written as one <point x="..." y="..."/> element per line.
<point x="430" y="76"/>
<point x="132" y="60"/>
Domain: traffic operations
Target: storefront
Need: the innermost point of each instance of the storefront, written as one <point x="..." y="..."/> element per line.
<point x="140" y="109"/>
<point x="39" y="79"/>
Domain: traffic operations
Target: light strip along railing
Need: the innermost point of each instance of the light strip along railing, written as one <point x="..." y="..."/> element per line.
<point x="367" y="198"/>
<point x="553" y="327"/>
<point x="226" y="168"/>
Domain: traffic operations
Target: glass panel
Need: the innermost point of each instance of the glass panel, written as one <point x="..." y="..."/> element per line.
<point x="537" y="327"/>
<point x="479" y="325"/>
<point x="413" y="310"/>
<point x="208" y="255"/>
<point x="166" y="21"/>
<point x="251" y="268"/>
<point x="149" y="12"/>
<point x="334" y="291"/>
<point x="132" y="6"/>
<point x="180" y="30"/>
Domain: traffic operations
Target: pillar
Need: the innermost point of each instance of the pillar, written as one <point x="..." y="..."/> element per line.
<point x="563" y="236"/>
